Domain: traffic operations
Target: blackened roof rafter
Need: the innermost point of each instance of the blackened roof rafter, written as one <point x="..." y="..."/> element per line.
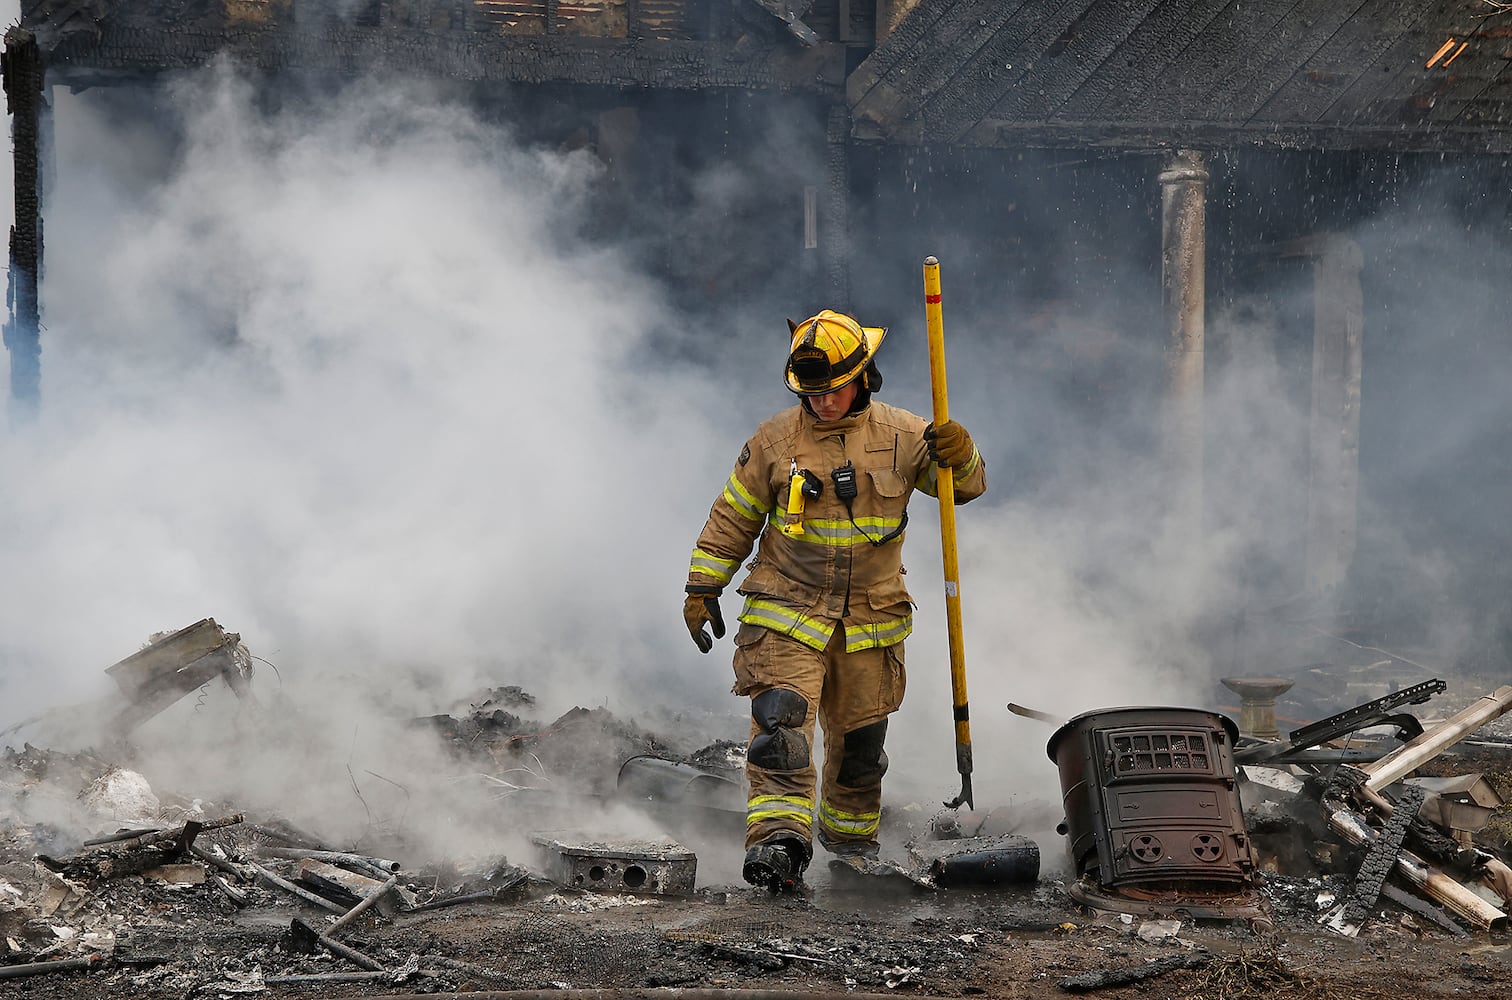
<point x="130" y="40"/>
<point x="1335" y="74"/>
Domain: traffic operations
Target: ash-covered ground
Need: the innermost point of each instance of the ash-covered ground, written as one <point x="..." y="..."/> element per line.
<point x="482" y="900"/>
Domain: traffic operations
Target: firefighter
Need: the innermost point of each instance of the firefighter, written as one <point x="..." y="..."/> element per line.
<point x="824" y="487"/>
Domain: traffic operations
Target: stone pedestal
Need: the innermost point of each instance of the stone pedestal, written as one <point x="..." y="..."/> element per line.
<point x="1257" y="704"/>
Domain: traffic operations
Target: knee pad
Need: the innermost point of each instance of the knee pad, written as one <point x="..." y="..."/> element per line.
<point x="780" y="746"/>
<point x="779" y="707"/>
<point x="865" y="761"/>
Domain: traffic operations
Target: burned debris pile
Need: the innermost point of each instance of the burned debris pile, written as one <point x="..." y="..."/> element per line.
<point x="1364" y="822"/>
<point x="1410" y="840"/>
<point x="241" y="903"/>
<point x="1182" y="813"/>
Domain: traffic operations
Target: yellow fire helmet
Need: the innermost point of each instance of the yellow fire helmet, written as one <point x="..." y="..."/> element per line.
<point x="830" y="351"/>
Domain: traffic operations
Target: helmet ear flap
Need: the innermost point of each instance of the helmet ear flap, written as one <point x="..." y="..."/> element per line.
<point x="871" y="378"/>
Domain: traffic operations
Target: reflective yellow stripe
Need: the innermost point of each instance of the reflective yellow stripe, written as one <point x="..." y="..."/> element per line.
<point x="929" y="479"/>
<point x="850" y="824"/>
<point x="793" y="807"/>
<point x="711" y="565"/>
<point x="838" y="533"/>
<point x="876" y="636"/>
<point x="812" y="632"/>
<point x="743" y="501"/>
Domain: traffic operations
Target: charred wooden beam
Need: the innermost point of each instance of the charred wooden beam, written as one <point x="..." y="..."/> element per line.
<point x="490" y="896"/>
<point x="278" y="881"/>
<point x="305" y="937"/>
<point x="1405" y="759"/>
<point x="1183" y="239"/>
<point x="834" y="234"/>
<point x="1140" y="135"/>
<point x="22" y="70"/>
<point x="352" y="51"/>
<point x="136" y="855"/>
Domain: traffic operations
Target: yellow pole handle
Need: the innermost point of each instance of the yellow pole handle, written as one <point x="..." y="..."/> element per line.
<point x="935" y="321"/>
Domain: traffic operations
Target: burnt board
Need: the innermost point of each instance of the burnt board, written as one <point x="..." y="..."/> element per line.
<point x="1327" y="74"/>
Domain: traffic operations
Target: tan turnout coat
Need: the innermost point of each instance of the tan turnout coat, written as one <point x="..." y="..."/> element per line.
<point x="831" y="574"/>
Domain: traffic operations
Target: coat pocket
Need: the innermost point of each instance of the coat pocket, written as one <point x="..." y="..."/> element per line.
<point x="888" y="595"/>
<point x="894" y="678"/>
<point x="888" y="483"/>
<point x="753" y="659"/>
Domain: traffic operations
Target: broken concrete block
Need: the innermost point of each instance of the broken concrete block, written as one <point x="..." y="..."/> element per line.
<point x="336" y="884"/>
<point x="660" y="867"/>
<point x="123" y="796"/>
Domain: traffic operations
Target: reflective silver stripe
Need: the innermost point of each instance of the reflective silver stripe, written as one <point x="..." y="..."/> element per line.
<point x="850" y="824"/>
<point x="812" y="632"/>
<point x="876" y="636"/>
<point x="840" y="534"/>
<point x="970" y="467"/>
<point x="711" y="565"/>
<point x="740" y="498"/>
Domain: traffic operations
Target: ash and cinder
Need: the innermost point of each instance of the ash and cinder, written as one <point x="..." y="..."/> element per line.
<point x="596" y="850"/>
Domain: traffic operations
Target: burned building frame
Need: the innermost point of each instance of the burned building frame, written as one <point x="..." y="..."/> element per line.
<point x="1169" y="110"/>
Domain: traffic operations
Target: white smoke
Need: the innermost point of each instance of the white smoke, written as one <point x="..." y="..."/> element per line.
<point x="349" y="377"/>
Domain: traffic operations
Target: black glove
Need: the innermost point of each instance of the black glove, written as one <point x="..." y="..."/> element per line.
<point x="949" y="444"/>
<point x="701" y="608"/>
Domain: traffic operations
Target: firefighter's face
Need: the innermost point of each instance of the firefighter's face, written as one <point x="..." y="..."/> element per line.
<point x="834" y="405"/>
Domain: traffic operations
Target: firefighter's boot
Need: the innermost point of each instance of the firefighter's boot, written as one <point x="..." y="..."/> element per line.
<point x="777" y="864"/>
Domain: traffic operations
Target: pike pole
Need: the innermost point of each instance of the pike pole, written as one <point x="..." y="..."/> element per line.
<point x="946" y="491"/>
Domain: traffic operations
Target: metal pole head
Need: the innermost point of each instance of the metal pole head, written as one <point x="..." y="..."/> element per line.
<point x="964" y="797"/>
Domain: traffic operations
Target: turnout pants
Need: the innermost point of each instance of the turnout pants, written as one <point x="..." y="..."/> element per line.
<point x="851" y="695"/>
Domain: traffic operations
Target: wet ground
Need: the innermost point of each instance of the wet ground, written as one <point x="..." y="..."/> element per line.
<point x="1014" y="943"/>
<point x="163" y="940"/>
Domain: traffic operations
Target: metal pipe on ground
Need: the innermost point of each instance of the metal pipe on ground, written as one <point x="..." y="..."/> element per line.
<point x="334" y="857"/>
<point x="643" y="993"/>
<point x="287" y="886"/>
<point x="340" y="977"/>
<point x="42" y="968"/>
<point x="367" y="903"/>
<point x="301" y="928"/>
<point x="117" y="837"/>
